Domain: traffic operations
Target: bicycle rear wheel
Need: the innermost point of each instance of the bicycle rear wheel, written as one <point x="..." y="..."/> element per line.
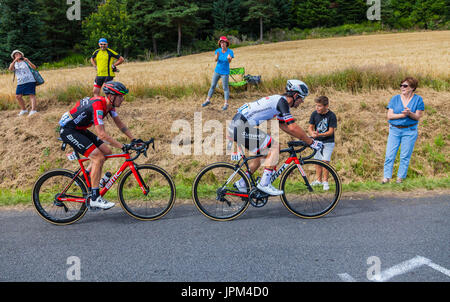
<point x="308" y="201"/>
<point x="51" y="188"/>
<point x="214" y="194"/>
<point x="159" y="195"/>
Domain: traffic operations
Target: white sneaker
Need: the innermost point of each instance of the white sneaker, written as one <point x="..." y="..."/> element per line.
<point x="316" y="183"/>
<point x="102" y="203"/>
<point x="242" y="189"/>
<point x="326" y="187"/>
<point x="22" y="112"/>
<point x="269" y="189"/>
<point x="32" y="112"/>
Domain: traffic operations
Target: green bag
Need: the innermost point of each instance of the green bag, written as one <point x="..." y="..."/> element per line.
<point x="37" y="76"/>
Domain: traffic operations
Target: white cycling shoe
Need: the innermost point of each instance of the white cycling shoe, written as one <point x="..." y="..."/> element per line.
<point x="269" y="189"/>
<point x="102" y="203"/>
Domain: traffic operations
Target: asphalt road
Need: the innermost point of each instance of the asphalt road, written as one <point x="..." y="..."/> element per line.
<point x="392" y="238"/>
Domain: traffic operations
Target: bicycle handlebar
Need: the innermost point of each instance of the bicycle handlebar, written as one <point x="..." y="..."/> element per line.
<point x="140" y="147"/>
<point x="299" y="143"/>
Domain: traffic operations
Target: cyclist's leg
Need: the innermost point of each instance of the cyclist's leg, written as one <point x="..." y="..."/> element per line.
<point x="97" y="160"/>
<point x="98" y="143"/>
<point x="270" y="163"/>
<point x="83" y="143"/>
<point x="259" y="142"/>
<point x="238" y="132"/>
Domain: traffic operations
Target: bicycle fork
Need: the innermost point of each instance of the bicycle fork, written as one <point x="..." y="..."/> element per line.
<point x="299" y="167"/>
<point x="145" y="189"/>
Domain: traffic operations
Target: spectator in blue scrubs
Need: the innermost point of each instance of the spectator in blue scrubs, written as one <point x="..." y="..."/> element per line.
<point x="404" y="112"/>
<point x="223" y="57"/>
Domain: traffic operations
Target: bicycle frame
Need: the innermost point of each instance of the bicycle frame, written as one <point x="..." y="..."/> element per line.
<point x="127" y="164"/>
<point x="291" y="159"/>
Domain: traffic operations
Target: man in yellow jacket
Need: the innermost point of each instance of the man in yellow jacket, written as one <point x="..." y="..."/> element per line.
<point x="106" y="61"/>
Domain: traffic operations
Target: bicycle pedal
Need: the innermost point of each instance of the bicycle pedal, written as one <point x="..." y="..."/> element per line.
<point x="94" y="209"/>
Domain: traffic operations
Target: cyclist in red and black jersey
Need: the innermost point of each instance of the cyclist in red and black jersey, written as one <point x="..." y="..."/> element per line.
<point x="88" y="112"/>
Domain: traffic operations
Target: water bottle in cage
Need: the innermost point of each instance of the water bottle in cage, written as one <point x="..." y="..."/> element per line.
<point x="105" y="179"/>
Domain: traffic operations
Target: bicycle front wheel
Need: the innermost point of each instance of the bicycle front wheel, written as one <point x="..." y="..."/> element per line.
<point x="149" y="195"/>
<point x="214" y="193"/>
<point x="59" y="197"/>
<point x="306" y="200"/>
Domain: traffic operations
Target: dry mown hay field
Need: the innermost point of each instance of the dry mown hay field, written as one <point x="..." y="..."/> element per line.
<point x="28" y="146"/>
<point x="418" y="53"/>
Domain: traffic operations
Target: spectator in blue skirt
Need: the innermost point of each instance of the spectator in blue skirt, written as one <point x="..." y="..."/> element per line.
<point x="404" y="112"/>
<point x="26" y="84"/>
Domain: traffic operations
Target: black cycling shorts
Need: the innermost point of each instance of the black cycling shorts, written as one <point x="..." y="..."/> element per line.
<point x="82" y="141"/>
<point x="251" y="137"/>
<point x="99" y="81"/>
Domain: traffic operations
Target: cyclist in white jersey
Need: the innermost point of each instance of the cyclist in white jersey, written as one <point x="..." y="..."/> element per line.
<point x="243" y="130"/>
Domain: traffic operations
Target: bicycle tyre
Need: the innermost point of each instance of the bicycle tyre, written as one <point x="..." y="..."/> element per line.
<point x="162" y="193"/>
<point x="205" y="193"/>
<point x="304" y="203"/>
<point x="45" y="191"/>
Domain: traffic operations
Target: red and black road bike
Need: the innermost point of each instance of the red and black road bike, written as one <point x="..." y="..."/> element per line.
<point x="145" y="192"/>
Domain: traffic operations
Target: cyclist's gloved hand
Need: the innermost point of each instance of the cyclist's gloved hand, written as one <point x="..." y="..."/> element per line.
<point x="317" y="145"/>
<point x="137" y="142"/>
<point x="114" y="68"/>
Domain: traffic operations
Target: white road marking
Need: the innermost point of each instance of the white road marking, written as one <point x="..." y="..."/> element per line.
<point x="440" y="268"/>
<point x="401" y="268"/>
<point x="346" y="277"/>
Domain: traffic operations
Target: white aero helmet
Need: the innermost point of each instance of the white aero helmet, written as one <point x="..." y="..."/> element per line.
<point x="293" y="86"/>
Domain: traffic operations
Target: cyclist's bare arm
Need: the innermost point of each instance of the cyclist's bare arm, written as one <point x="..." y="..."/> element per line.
<point x="123" y="127"/>
<point x="296" y="131"/>
<point x="101" y="133"/>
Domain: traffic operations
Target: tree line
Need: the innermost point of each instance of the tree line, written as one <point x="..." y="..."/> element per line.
<point x="139" y="28"/>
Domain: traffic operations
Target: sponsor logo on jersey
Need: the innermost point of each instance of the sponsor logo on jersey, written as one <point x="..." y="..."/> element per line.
<point x="79" y="118"/>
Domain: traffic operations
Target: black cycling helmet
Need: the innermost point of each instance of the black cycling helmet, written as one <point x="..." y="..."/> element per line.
<point x="115" y="88"/>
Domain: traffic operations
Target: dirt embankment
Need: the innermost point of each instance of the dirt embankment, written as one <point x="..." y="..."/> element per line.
<point x="29" y="145"/>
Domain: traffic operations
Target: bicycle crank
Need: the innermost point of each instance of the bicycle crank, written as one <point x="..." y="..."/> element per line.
<point x="257" y="198"/>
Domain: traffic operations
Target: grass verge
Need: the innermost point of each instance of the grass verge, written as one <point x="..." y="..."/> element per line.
<point x="10" y="197"/>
